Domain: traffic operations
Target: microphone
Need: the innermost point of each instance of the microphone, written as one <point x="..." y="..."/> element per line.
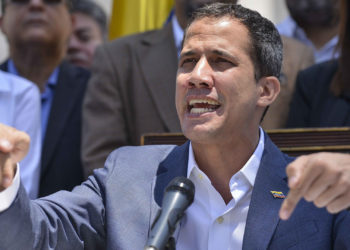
<point x="178" y="195"/>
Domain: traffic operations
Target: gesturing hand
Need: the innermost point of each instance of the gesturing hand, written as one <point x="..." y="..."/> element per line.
<point x="14" y="145"/>
<point x="321" y="178"/>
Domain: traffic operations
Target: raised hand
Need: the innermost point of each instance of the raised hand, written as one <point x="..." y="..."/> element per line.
<point x="14" y="146"/>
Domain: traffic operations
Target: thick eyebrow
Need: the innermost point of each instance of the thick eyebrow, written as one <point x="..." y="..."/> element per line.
<point x="215" y="51"/>
<point x="187" y="53"/>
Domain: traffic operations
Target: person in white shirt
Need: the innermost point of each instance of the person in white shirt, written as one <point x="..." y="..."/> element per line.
<point x="227" y="76"/>
<point x="20" y="108"/>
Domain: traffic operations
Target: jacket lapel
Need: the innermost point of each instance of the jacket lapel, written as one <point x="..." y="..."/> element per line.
<point x="157" y="57"/>
<point x="263" y="210"/>
<point x="172" y="166"/>
<point x="62" y="105"/>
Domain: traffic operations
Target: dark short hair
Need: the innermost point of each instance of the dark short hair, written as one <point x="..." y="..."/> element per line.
<point x="92" y="10"/>
<point x="266" y="45"/>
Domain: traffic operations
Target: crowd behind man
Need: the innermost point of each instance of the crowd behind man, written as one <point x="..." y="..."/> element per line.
<point x="322" y="94"/>
<point x="38" y="32"/>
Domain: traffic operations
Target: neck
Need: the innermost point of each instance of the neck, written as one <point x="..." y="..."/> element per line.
<point x="36" y="62"/>
<point x="322" y="35"/>
<point x="221" y="162"/>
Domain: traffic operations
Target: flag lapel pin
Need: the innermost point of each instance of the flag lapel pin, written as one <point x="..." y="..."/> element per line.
<point x="278" y="194"/>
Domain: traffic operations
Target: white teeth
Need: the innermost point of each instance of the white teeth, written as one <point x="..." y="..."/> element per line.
<point x="195" y="101"/>
<point x="200" y="110"/>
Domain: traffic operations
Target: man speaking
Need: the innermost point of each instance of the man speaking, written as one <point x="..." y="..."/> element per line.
<point x="227" y="76"/>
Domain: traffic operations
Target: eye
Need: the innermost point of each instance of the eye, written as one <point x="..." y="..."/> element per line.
<point x="188" y="61"/>
<point x="84" y="36"/>
<point x="221" y="60"/>
<point x="221" y="63"/>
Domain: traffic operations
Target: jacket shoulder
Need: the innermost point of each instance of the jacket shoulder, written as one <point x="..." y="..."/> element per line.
<point x="320" y="71"/>
<point x="138" y="153"/>
<point x="136" y="162"/>
<point x="148" y="37"/>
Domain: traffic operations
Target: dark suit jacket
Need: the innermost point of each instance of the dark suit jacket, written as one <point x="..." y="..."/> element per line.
<point x="61" y="166"/>
<point x="313" y="104"/>
<point x="131" y="92"/>
<point x="115" y="208"/>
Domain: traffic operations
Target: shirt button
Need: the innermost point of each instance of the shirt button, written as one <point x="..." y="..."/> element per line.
<point x="220" y="220"/>
<point x="200" y="176"/>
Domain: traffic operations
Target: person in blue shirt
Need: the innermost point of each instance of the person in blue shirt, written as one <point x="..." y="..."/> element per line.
<point x="20" y="108"/>
<point x="314" y="23"/>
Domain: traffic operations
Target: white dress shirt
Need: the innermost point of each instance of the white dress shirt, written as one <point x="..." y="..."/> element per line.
<point x="20" y="108"/>
<point x="211" y="224"/>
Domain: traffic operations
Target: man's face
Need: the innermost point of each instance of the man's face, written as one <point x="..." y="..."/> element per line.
<point x="85" y="38"/>
<point x="313" y="12"/>
<point x="216" y="91"/>
<point x="36" y="21"/>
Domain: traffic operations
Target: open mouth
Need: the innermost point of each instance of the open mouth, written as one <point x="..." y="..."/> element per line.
<point x="200" y="106"/>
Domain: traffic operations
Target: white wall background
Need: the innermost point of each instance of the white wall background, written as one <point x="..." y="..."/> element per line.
<point x="275" y="10"/>
<point x="106" y="5"/>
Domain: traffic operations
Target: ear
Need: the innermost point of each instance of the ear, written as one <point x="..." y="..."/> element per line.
<point x="269" y="87"/>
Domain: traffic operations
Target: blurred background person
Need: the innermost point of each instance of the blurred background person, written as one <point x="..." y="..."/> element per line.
<point x="37" y="32"/>
<point x="315" y="23"/>
<point x="89" y="31"/>
<point x="20" y="108"/>
<point x="322" y="95"/>
<point x="296" y="56"/>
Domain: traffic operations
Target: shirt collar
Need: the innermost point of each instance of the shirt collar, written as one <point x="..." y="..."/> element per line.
<point x="249" y="170"/>
<point x="287" y="27"/>
<point x="290" y="28"/>
<point x="251" y="167"/>
<point x="178" y="34"/>
<point x="52" y="81"/>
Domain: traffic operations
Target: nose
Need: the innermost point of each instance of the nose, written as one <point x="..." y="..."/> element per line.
<point x="73" y="44"/>
<point x="36" y="3"/>
<point x="201" y="75"/>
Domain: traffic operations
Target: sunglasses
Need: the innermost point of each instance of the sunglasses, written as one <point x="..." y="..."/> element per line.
<point x="51" y="2"/>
